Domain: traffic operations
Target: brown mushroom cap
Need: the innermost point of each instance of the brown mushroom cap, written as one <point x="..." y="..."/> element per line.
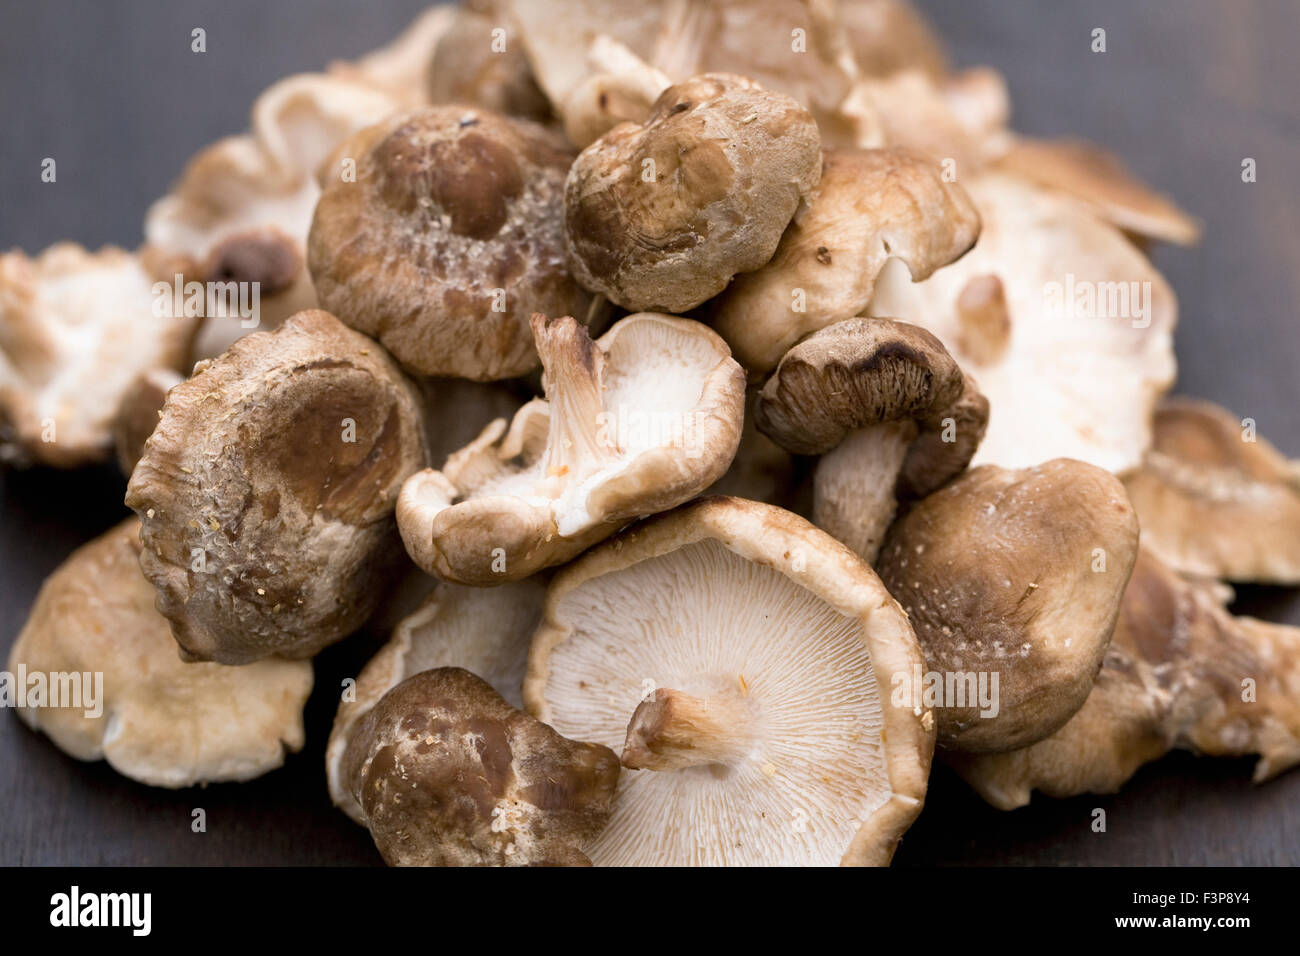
<point x="887" y="36"/>
<point x="1101" y="182"/>
<point x="163" y="722"/>
<point x="473" y="63"/>
<point x="1181" y="673"/>
<point x="484" y="630"/>
<point x="1017" y="574"/>
<point x="743" y="659"/>
<point x="449" y="774"/>
<point x="640" y="420"/>
<point x="138" y="414"/>
<point x="76" y="328"/>
<point x="1216" y="500"/>
<point x="267" y="491"/>
<point x="471" y="202"/>
<point x="888" y="410"/>
<point x="661" y="215"/>
<point x="871" y="206"/>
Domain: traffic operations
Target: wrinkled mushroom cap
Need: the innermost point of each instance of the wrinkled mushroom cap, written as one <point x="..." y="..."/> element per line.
<point x="762" y="617"/>
<point x="164" y="722"/>
<point x="448" y="774"/>
<point x="75" y="329"/>
<point x="451" y="236"/>
<point x="267" y="491"/>
<point x="486" y="631"/>
<point x="1018" y="574"/>
<point x="1100" y="181"/>
<point x="638" y="421"/>
<point x="1175" y="676"/>
<point x="661" y="215"/>
<point x="1077" y="304"/>
<point x="1217" y="500"/>
<point x="871" y="206"/>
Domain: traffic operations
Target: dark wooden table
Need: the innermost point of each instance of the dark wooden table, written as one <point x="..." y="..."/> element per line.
<point x="1184" y="92"/>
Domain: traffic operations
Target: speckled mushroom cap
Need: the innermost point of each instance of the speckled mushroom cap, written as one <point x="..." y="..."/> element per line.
<point x="450" y="237"/>
<point x="871" y="206"/>
<point x="447" y="773"/>
<point x="888" y="410"/>
<point x="267" y="491"/>
<point x="1181" y="673"/>
<point x="745" y="660"/>
<point x="1051" y="301"/>
<point x="1018" y="574"/>
<point x="1100" y="181"/>
<point x="1216" y="499"/>
<point x="163" y="722"/>
<point x="640" y="420"/>
<point x="661" y="215"/>
<point x="76" y="328"/>
<point x="486" y="631"/>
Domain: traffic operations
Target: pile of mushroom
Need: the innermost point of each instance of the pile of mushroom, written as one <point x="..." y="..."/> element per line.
<point x="818" y="480"/>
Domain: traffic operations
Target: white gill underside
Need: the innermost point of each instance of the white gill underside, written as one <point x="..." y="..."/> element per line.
<point x="701" y="620"/>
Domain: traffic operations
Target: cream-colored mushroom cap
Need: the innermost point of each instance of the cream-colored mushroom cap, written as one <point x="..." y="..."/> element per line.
<point x="267" y="491"/>
<point x="1216" y="499"/>
<point x="1013" y="576"/>
<point x="638" y="421"/>
<point x="163" y="722"/>
<point x="661" y="215"/>
<point x="1066" y="326"/>
<point x="486" y="631"/>
<point x="743" y="662"/>
<point x="888" y="410"/>
<point x="76" y="328"/>
<point x="1181" y="673"/>
<point x="870" y="207"/>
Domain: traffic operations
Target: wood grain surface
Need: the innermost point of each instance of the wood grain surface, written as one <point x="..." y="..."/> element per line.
<point x="1184" y="92"/>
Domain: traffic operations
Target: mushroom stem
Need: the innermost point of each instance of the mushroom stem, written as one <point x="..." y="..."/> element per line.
<point x="854" y="486"/>
<point x="573" y="368"/>
<point x="673" y="731"/>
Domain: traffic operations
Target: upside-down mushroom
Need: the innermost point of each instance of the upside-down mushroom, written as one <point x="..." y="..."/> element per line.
<point x="450" y="237"/>
<point x="1181" y="673"/>
<point x="1013" y="576"/>
<point x="486" y="631"/>
<point x="267" y="491"/>
<point x="76" y="328"/>
<point x="870" y="207"/>
<point x="638" y="421"/>
<point x="888" y="411"/>
<point x="741" y="660"/>
<point x="1217" y="500"/>
<point x="446" y="773"/>
<point x="661" y="215"/>
<point x="161" y="721"/>
<point x="1049" y="303"/>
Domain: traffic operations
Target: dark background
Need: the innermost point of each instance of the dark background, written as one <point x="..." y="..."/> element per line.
<point x="1186" y="90"/>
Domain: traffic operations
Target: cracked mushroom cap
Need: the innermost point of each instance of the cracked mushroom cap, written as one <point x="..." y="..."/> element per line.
<point x="1017" y="574"/>
<point x="243" y="206"/>
<point x="267" y="491"/>
<point x="1101" y="182"/>
<point x="1181" y="673"/>
<point x="446" y="773"/>
<point x="1067" y="327"/>
<point x="871" y="206"/>
<point x="740" y="659"/>
<point x="76" y="328"/>
<point x="163" y="722"/>
<point x="1216" y="500"/>
<point x="660" y="215"/>
<point x="486" y="631"/>
<point x="888" y="410"/>
<point x="640" y="420"/>
<point x="471" y="202"/>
